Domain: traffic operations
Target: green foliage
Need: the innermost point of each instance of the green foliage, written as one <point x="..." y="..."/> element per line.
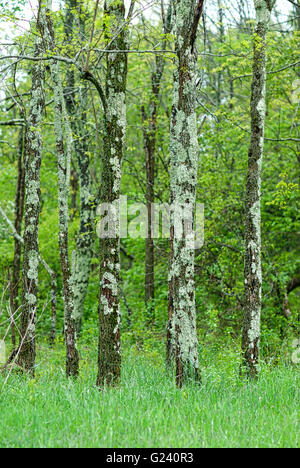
<point x="12" y="7"/>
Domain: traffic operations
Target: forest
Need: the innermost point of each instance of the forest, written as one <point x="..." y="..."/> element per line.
<point x="149" y="224"/>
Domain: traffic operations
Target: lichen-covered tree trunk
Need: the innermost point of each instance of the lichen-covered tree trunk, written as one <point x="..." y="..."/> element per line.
<point x="84" y="241"/>
<point x="76" y="106"/>
<point x="109" y="357"/>
<point x="253" y="273"/>
<point x="182" y="333"/>
<point x="61" y="122"/>
<point x="33" y="150"/>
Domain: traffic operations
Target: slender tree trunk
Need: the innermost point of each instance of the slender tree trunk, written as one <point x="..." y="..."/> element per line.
<point x="33" y="158"/>
<point x="50" y="272"/>
<point x="109" y="357"/>
<point x="297" y="14"/>
<point x="74" y="192"/>
<point x="53" y="307"/>
<point x="84" y="239"/>
<point x="77" y="114"/>
<point x="149" y="137"/>
<point x="11" y="309"/>
<point x="149" y="146"/>
<point x="182" y="333"/>
<point x="19" y="213"/>
<point x="219" y="77"/>
<point x="253" y="273"/>
<point x="61" y="122"/>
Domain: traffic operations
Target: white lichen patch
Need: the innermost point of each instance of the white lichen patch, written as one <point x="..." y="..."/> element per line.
<point x="33" y="192"/>
<point x="31" y="299"/>
<point x="263" y="14"/>
<point x="33" y="264"/>
<point x="104" y="302"/>
<point x="110" y="281"/>
<point x="254" y="328"/>
<point x="117" y="171"/>
<point x="261" y="107"/>
<point x="256" y="217"/>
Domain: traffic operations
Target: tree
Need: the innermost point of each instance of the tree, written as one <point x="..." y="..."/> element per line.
<point x="182" y="333"/>
<point x="253" y="272"/>
<point x="149" y="138"/>
<point x="76" y="104"/>
<point x="33" y="157"/>
<point x="63" y="150"/>
<point x="115" y="29"/>
<point x="19" y="214"/>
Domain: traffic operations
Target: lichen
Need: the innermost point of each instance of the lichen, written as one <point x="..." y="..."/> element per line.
<point x="33" y="264"/>
<point x="263" y="13"/>
<point x="31" y="299"/>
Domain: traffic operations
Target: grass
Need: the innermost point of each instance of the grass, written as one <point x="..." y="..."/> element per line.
<point x="148" y="410"/>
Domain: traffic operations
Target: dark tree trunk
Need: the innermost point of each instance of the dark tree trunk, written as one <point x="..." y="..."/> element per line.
<point x="19" y="213"/>
<point x="109" y="356"/>
<point x="149" y="120"/>
<point x="11" y="309"/>
<point x="253" y="273"/>
<point x="149" y="146"/>
<point x="33" y="157"/>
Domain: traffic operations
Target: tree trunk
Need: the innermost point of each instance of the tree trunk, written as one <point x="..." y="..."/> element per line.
<point x="149" y="137"/>
<point x="51" y="273"/>
<point x="61" y="122"/>
<point x="182" y="333"/>
<point x="33" y="158"/>
<point x="11" y="311"/>
<point x="77" y="114"/>
<point x="19" y="214"/>
<point x="253" y="273"/>
<point x="109" y="357"/>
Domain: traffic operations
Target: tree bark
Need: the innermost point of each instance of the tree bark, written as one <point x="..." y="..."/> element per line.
<point x="33" y="149"/>
<point x="11" y="311"/>
<point x="182" y="334"/>
<point x="109" y="357"/>
<point x="77" y="115"/>
<point x="61" y="122"/>
<point x="253" y="273"/>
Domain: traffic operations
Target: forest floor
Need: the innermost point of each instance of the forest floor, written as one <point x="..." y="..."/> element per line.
<point x="148" y="410"/>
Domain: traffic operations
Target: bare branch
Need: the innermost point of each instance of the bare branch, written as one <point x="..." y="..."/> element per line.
<point x="20" y="239"/>
<point x="91" y="36"/>
<point x="13" y="123"/>
<point x="291" y="65"/>
<point x="198" y="13"/>
<point x="131" y="10"/>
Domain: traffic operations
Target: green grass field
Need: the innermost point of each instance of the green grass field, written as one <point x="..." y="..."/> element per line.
<point x="147" y="410"/>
